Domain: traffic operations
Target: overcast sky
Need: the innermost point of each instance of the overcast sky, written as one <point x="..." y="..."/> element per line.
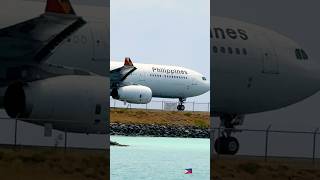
<point x="297" y="20"/>
<point x="170" y="32"/>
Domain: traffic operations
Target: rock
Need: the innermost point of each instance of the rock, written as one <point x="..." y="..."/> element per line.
<point x="158" y="130"/>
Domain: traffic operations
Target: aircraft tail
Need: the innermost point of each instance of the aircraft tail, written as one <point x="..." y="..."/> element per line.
<point x="128" y="62"/>
<point x="59" y="6"/>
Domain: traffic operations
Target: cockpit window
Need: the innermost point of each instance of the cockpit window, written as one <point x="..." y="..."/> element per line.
<point x="301" y="54"/>
<point x="304" y="54"/>
<point x="298" y="54"/>
<point x="204" y="78"/>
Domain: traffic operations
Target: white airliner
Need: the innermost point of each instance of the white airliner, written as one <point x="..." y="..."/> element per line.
<point x="53" y="63"/>
<point x="138" y="83"/>
<point x="255" y="70"/>
<point x="53" y="70"/>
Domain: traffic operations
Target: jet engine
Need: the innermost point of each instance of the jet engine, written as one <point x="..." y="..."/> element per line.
<point x="136" y="94"/>
<point x="72" y="103"/>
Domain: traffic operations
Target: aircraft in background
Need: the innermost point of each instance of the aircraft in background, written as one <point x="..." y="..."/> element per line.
<point x="255" y="70"/>
<point x="53" y="68"/>
<point x="138" y="83"/>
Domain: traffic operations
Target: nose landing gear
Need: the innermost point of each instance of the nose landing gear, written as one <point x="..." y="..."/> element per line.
<point x="225" y="143"/>
<point x="180" y="106"/>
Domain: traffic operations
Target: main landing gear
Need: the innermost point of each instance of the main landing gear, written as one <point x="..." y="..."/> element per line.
<point x="225" y="143"/>
<point x="180" y="106"/>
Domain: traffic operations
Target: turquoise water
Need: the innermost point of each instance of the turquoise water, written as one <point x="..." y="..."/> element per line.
<point x="159" y="158"/>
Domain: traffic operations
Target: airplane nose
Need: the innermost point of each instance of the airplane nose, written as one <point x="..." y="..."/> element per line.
<point x="206" y="86"/>
<point x="313" y="76"/>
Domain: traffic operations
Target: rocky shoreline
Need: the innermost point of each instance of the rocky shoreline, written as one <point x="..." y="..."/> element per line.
<point x="158" y="130"/>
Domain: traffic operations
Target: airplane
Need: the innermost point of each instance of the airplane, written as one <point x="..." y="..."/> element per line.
<point x="254" y="70"/>
<point x="52" y="69"/>
<point x="138" y="83"/>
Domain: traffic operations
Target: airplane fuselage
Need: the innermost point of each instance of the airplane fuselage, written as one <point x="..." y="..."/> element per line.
<point x="166" y="81"/>
<point x="255" y="69"/>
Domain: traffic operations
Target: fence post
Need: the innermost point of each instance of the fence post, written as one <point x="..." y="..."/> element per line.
<point x="314" y="144"/>
<point x="193" y="107"/>
<point x="218" y="145"/>
<point x="15" y="131"/>
<point x="162" y="106"/>
<point x="65" y="139"/>
<point x="267" y="142"/>
<point x="212" y="132"/>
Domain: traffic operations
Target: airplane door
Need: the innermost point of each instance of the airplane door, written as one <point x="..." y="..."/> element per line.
<point x="270" y="62"/>
<point x="142" y="77"/>
<point x="194" y="82"/>
<point x="100" y="49"/>
<point x="269" y="58"/>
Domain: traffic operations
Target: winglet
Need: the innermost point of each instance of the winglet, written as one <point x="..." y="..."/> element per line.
<point x="128" y="62"/>
<point x="59" y="6"/>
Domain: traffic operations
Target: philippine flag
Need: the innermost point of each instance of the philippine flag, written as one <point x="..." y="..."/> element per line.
<point x="188" y="171"/>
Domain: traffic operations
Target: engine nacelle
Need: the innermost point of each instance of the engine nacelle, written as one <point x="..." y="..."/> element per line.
<point x="136" y="94"/>
<point x="72" y="103"/>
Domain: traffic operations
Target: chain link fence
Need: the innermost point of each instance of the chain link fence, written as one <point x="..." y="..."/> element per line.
<point x="16" y="132"/>
<point x="163" y="105"/>
<point x="269" y="143"/>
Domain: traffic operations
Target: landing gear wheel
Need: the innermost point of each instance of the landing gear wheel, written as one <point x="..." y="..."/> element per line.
<point x="232" y="145"/>
<point x="226" y="145"/>
<point x="180" y="107"/>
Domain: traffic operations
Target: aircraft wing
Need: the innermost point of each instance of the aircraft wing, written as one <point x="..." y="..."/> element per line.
<point x="120" y="74"/>
<point x="35" y="39"/>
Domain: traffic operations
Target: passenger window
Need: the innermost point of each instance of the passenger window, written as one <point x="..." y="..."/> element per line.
<point x="304" y="54"/>
<point x="230" y="50"/>
<point x="223" y="50"/>
<point x="298" y="54"/>
<point x="237" y="51"/>
<point x="215" y="49"/>
<point x="204" y="78"/>
<point x="244" y="51"/>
